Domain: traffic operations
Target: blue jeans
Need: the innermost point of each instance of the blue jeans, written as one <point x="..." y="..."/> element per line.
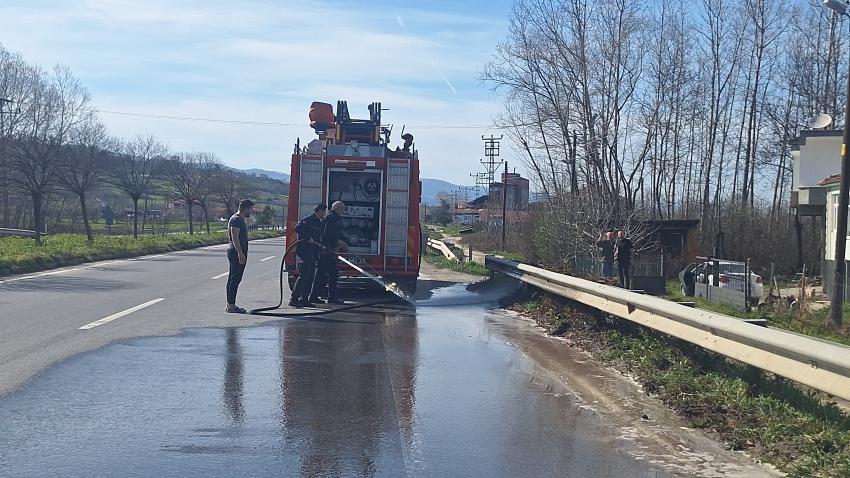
<point x="625" y="274"/>
<point x="607" y="269"/>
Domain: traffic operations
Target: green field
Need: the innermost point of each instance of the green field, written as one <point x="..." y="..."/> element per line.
<point x="18" y="254"/>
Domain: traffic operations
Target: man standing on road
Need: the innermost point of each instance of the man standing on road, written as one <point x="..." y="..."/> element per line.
<point x="237" y="252"/>
<point x="606" y="251"/>
<point x="309" y="232"/>
<point x="623" y="253"/>
<point x="332" y="240"/>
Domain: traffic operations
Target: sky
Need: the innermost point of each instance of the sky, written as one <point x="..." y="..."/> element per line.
<point x="266" y="61"/>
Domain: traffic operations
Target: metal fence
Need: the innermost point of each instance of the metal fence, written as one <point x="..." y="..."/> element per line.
<point x="725" y="281"/>
<point x="589" y="267"/>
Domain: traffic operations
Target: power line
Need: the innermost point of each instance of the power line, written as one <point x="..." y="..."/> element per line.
<point x="273" y="123"/>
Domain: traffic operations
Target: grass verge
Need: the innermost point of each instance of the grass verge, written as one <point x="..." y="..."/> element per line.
<point x="750" y="410"/>
<point x="814" y="324"/>
<point x="20" y="255"/>
<point x="473" y="268"/>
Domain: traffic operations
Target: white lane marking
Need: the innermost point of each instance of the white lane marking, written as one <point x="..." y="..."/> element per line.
<point x="120" y="261"/>
<point x="220" y="275"/>
<point x="267" y="258"/>
<point x="121" y="314"/>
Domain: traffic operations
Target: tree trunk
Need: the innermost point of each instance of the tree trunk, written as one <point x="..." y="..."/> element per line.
<point x="37" y="215"/>
<point x="135" y="218"/>
<point x="205" y="210"/>
<point x="145" y="215"/>
<point x="191" y="224"/>
<point x="86" y="224"/>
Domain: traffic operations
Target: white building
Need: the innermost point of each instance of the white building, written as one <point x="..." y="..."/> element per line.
<point x="816" y="163"/>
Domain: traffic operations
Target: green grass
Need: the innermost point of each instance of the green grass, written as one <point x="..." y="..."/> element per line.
<point x="127" y="228"/>
<point x="473" y="268"/>
<point x="765" y="415"/>
<point x="18" y="254"/>
<point x="815" y="324"/>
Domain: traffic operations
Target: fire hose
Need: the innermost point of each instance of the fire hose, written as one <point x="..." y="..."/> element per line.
<point x="266" y="311"/>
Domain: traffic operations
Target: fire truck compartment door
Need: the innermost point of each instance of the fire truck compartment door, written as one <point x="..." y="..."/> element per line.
<point x="361" y="192"/>
<point x="398" y="211"/>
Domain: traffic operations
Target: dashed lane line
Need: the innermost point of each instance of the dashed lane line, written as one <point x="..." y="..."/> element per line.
<point x="118" y="315"/>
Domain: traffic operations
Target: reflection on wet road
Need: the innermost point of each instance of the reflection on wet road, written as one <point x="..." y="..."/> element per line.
<point x="438" y="392"/>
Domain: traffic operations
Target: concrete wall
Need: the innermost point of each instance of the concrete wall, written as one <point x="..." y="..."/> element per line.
<point x="818" y="158"/>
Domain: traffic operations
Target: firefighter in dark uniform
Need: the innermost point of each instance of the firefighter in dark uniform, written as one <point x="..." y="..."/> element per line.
<point x="309" y="232"/>
<point x="327" y="274"/>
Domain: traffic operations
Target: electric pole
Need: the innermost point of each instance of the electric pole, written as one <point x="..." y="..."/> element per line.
<point x="492" y="152"/>
<point x="504" y="203"/>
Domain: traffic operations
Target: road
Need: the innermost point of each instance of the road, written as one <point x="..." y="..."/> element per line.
<point x="453" y="387"/>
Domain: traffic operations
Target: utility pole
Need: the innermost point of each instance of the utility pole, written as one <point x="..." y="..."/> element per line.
<point x="836" y="311"/>
<point x="491" y="151"/>
<point x="504" y="203"/>
<point x="480" y="182"/>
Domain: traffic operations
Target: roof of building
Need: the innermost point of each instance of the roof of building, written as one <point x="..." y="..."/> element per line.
<point x="834" y="179"/>
<point x="813" y="133"/>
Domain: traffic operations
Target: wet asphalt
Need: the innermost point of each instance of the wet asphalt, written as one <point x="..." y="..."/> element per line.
<point x="452" y="387"/>
<point x="389" y="392"/>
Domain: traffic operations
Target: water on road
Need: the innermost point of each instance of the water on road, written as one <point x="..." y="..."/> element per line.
<point x="443" y="390"/>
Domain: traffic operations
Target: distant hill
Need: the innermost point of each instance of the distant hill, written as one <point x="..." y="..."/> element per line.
<point x="430" y="187"/>
<point x="264" y="172"/>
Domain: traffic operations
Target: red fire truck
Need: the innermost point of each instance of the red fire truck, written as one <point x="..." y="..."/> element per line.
<point x="351" y="161"/>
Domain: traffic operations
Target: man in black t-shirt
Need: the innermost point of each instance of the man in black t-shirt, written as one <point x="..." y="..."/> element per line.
<point x="326" y="274"/>
<point x="309" y="232"/>
<point x="623" y="254"/>
<point x="237" y="252"/>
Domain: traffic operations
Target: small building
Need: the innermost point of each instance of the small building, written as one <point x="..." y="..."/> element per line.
<point x="816" y="164"/>
<point x="815" y="155"/>
<point x="676" y="239"/>
<point x="466" y="216"/>
<point x="831" y="186"/>
<point x="517" y="197"/>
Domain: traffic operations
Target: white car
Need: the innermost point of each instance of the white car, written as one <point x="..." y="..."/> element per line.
<point x="730" y="276"/>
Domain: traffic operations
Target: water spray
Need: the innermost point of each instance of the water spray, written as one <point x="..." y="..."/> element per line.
<point x="391" y="288"/>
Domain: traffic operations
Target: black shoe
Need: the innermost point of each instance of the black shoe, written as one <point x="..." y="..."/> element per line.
<point x="315" y="300"/>
<point x="335" y="301"/>
<point x="296" y="303"/>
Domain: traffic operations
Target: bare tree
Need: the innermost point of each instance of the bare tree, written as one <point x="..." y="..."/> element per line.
<point x="84" y="162"/>
<point x="189" y="176"/>
<point x="208" y="168"/>
<point x="17" y="79"/>
<point x="228" y="186"/>
<point x="135" y="168"/>
<point x="58" y="103"/>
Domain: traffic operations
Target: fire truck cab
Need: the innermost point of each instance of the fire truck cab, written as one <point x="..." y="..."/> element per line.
<point x="350" y="161"/>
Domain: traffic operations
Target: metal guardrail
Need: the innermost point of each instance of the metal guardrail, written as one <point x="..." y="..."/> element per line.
<point x="5" y="231"/>
<point x="819" y="364"/>
<point x="442" y="247"/>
